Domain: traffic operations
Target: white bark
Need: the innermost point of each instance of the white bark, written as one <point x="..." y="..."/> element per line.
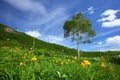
<point x="78" y="50"/>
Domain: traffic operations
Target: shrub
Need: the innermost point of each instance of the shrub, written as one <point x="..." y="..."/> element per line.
<point x="115" y="59"/>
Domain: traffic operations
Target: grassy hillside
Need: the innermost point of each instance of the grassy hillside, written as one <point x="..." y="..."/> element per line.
<point x="17" y="64"/>
<point x="18" y="39"/>
<point x="47" y="61"/>
<point x="100" y="54"/>
<point x="13" y="38"/>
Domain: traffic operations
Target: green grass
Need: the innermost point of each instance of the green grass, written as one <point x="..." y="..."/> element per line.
<point x="24" y="41"/>
<point x="52" y="67"/>
<point x="46" y="61"/>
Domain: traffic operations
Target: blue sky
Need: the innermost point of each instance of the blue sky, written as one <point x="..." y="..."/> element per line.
<point x="44" y="19"/>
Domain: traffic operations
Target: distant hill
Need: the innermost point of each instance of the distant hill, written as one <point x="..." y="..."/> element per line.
<point x="11" y="37"/>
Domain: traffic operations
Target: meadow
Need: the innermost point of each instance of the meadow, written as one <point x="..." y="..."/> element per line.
<point x="23" y="64"/>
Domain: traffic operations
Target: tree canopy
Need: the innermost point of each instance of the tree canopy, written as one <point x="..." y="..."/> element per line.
<point x="79" y="29"/>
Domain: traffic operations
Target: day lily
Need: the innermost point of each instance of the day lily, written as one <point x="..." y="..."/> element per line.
<point x="75" y="58"/>
<point x="33" y="58"/>
<point x="62" y="63"/>
<point x="85" y="63"/>
<point x="102" y="65"/>
<point x="21" y="63"/>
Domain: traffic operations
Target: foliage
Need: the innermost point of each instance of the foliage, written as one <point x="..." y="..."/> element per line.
<point x="24" y="41"/>
<point x="18" y="64"/>
<point x="79" y="29"/>
<point x="115" y="59"/>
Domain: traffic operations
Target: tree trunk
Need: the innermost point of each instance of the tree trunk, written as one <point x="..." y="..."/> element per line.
<point x="78" y="50"/>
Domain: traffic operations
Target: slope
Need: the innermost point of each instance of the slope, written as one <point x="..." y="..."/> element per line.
<point x="12" y="38"/>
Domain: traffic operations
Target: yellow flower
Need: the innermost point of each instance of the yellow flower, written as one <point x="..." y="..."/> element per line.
<point x="53" y="61"/>
<point x="102" y="65"/>
<point x="21" y="63"/>
<point x="68" y="60"/>
<point x="61" y="62"/>
<point x="5" y="47"/>
<point x="25" y="56"/>
<point x="56" y="61"/>
<point x="14" y="50"/>
<point x="33" y="58"/>
<point x="85" y="63"/>
<point x="75" y="58"/>
<point x="72" y="61"/>
<point x="111" y="68"/>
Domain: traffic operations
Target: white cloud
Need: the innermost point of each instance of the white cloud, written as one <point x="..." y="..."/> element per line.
<point x="113" y="41"/>
<point x="99" y="43"/>
<point x="28" y="5"/>
<point x="91" y="10"/>
<point x="54" y="39"/>
<point x="109" y="12"/>
<point x="114" y="23"/>
<point x="34" y="33"/>
<point x="114" y="49"/>
<point x="109" y="18"/>
<point x="39" y="15"/>
<point x="55" y="18"/>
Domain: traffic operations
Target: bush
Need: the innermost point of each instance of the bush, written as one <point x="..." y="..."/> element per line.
<point x="115" y="59"/>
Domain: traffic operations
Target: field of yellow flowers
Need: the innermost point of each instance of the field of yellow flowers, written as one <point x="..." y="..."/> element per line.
<point x="18" y="64"/>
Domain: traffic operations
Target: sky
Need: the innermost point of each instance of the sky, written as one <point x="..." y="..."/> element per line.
<point x="44" y="20"/>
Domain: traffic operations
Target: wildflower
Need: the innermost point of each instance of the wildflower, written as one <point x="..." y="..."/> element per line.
<point x="62" y="63"/>
<point x="85" y="63"/>
<point x="33" y="58"/>
<point x="72" y="61"/>
<point x="56" y="61"/>
<point x="21" y="63"/>
<point x="68" y="60"/>
<point x="13" y="50"/>
<point x="75" y="58"/>
<point x="102" y="65"/>
<point x="25" y="56"/>
<point x="53" y="61"/>
<point x="111" y="68"/>
<point x="5" y="47"/>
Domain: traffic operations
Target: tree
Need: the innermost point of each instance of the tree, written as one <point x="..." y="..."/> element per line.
<point x="79" y="29"/>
